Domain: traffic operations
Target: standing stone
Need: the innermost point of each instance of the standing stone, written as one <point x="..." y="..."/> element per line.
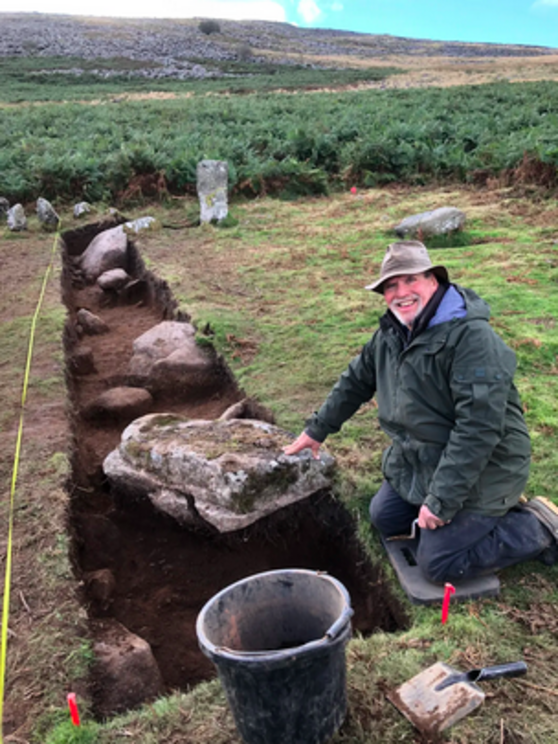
<point x="17" y="220"/>
<point x="46" y="214"/>
<point x="4" y="206"/>
<point x="212" y="178"/>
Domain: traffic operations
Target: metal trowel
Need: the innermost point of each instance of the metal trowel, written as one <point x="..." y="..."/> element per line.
<point x="440" y="696"/>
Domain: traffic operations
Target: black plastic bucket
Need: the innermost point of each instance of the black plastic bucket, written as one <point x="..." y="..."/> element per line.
<point x="278" y="641"/>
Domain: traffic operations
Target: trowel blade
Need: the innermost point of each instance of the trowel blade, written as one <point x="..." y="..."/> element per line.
<point x="431" y="710"/>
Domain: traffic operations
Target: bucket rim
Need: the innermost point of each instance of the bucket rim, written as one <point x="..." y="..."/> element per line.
<point x="336" y="632"/>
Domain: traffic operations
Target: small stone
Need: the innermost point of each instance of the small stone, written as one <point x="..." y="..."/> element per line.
<point x="113" y="279"/>
<point x="122" y="403"/>
<point x="81" y="361"/>
<point x="90" y="323"/>
<point x="134" y="227"/>
<point x="100" y="586"/>
<point x="81" y="209"/>
<point x="125" y="667"/>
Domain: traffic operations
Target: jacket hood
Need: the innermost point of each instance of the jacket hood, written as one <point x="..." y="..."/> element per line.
<point x="476" y="307"/>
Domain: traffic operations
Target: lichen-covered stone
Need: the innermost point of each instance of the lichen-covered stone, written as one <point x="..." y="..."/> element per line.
<point x="228" y="472"/>
<point x="212" y="184"/>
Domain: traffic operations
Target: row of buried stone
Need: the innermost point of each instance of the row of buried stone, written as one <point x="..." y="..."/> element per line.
<point x="214" y="497"/>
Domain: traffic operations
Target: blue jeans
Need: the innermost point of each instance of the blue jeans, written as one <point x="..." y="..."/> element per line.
<point x="470" y="545"/>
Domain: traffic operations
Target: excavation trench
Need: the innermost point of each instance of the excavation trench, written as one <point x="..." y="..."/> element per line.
<point x="161" y="574"/>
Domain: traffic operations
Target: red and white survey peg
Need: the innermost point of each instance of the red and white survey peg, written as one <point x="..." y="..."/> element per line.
<point x="449" y="589"/>
<point x="72" y="705"/>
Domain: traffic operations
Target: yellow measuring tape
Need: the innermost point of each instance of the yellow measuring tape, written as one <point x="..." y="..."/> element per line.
<point x="8" y="574"/>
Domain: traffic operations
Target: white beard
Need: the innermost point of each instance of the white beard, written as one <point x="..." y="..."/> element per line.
<point x="400" y="318"/>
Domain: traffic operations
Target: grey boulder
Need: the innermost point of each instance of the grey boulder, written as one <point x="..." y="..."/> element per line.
<point x="113" y="279"/>
<point x="230" y="473"/>
<point x="437" y="222"/>
<point x="168" y="355"/>
<point x="108" y="250"/>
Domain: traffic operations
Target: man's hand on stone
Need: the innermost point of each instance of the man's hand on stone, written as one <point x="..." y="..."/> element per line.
<point x="427" y="520"/>
<point x="303" y="441"/>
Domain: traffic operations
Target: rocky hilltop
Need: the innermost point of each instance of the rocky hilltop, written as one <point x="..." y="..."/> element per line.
<point x="181" y="43"/>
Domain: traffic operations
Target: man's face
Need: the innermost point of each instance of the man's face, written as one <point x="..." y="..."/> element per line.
<point x="408" y="294"/>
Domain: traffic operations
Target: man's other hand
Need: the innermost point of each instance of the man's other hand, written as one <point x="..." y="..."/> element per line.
<point x="427" y="520"/>
<point x="303" y="441"/>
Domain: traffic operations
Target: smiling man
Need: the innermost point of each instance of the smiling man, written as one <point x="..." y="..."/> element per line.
<point x="460" y="451"/>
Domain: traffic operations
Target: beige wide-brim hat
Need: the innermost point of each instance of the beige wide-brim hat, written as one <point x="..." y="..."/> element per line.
<point x="406" y="257"/>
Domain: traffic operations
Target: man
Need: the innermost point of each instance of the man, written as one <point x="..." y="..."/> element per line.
<point x="460" y="451"/>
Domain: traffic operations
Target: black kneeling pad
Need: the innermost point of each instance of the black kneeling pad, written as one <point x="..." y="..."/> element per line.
<point x="402" y="555"/>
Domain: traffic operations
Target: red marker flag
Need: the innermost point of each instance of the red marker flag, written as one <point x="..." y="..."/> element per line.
<point x="449" y="589"/>
<point x="72" y="705"/>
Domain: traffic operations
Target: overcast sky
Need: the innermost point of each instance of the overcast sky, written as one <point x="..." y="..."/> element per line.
<point x="504" y="21"/>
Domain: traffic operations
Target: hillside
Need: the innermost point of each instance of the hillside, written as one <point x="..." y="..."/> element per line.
<point x="178" y="49"/>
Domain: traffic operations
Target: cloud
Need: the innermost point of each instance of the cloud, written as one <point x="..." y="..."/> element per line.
<point x="545" y="4"/>
<point x="308" y="10"/>
<point x="337" y="7"/>
<point x="239" y="10"/>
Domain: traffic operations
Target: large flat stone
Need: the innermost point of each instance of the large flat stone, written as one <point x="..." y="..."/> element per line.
<point x="229" y="473"/>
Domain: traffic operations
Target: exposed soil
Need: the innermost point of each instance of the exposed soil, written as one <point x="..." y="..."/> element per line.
<point x="164" y="573"/>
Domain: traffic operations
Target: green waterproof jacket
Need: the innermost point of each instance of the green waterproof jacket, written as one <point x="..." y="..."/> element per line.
<point x="448" y="402"/>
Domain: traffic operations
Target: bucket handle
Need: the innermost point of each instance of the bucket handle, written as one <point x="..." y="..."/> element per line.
<point x="339" y="624"/>
<point x="330" y="634"/>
